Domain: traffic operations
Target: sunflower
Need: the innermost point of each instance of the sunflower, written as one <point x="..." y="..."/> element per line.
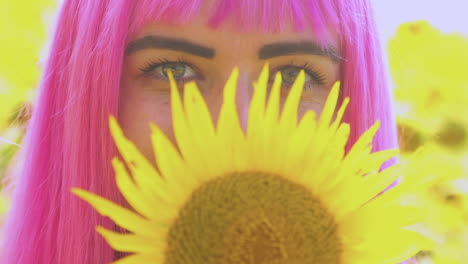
<point x="283" y="191"/>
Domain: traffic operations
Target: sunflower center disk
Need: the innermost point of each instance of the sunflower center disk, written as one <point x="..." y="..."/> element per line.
<point x="253" y="218"/>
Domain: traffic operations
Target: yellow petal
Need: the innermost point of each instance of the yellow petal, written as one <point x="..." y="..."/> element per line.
<point x="392" y="247"/>
<point x="180" y="126"/>
<point x="352" y="196"/>
<point x="270" y="136"/>
<point x="330" y="105"/>
<point x="273" y="105"/>
<point x="288" y="120"/>
<point x="140" y="258"/>
<point x="229" y="131"/>
<point x="120" y="215"/>
<point x="144" y="174"/>
<point x="355" y="189"/>
<point x="340" y="113"/>
<point x="257" y="104"/>
<point x="256" y="118"/>
<point x="228" y="118"/>
<point x="202" y="129"/>
<point x="289" y="113"/>
<point x="144" y="204"/>
<point x="197" y="113"/>
<point x="178" y="176"/>
<point x="327" y="154"/>
<point x="295" y="156"/>
<point x="130" y="242"/>
<point x="371" y="218"/>
<point x="364" y="141"/>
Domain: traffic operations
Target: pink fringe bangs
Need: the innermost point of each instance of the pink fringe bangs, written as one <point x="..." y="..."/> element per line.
<point x="259" y="15"/>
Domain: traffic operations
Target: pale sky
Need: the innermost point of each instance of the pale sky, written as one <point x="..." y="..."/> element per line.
<point x="450" y="16"/>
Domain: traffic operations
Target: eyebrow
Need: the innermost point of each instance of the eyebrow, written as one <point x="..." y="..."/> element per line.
<point x="177" y="44"/>
<point x="303" y="47"/>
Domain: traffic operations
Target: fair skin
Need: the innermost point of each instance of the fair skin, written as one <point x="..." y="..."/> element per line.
<point x="208" y="59"/>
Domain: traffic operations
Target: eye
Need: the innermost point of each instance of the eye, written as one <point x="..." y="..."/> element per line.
<point x="289" y="74"/>
<point x="182" y="71"/>
<point x="179" y="70"/>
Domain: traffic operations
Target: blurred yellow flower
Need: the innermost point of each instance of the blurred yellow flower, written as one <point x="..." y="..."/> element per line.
<point x="429" y="70"/>
<point x="21" y="40"/>
<point x="431" y="89"/>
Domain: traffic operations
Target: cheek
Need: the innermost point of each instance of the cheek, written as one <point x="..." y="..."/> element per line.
<point x="137" y="110"/>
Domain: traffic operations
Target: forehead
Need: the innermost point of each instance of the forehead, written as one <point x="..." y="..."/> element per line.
<point x="266" y="16"/>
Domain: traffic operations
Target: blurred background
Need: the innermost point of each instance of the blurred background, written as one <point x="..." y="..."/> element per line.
<point x="427" y="50"/>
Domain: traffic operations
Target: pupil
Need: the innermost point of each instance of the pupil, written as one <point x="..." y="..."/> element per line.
<point x="177" y="69"/>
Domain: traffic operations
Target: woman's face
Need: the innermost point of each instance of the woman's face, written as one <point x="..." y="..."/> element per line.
<point x="196" y="52"/>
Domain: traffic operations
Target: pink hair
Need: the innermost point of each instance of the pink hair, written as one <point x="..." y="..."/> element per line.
<point x="68" y="142"/>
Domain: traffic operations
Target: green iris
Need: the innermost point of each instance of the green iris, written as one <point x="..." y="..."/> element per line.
<point x="289" y="75"/>
<point x="178" y="69"/>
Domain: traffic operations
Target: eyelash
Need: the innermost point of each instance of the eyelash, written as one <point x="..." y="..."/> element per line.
<point x="149" y="67"/>
<point x="316" y="76"/>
